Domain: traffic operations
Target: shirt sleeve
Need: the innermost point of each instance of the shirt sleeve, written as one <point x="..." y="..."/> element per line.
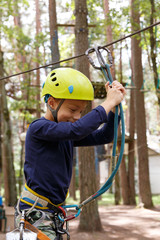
<point x="51" y="131"/>
<point x="103" y="135"/>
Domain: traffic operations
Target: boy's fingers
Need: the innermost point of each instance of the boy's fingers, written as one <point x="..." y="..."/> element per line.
<point x="119" y="86"/>
<point x="107" y="86"/>
<point x="115" y="85"/>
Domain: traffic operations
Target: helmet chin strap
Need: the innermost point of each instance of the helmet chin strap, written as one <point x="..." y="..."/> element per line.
<point x="55" y="111"/>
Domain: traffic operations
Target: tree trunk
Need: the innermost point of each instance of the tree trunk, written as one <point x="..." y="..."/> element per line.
<point x="124" y="182"/>
<point x="89" y="219"/>
<point x="131" y="165"/>
<point x="0" y="140"/>
<point x="72" y="188"/>
<point x="154" y="49"/>
<point x="21" y="181"/>
<point x="1" y="165"/>
<point x="7" y="153"/>
<point x="38" y="29"/>
<point x="53" y="32"/>
<point x="110" y="39"/>
<point x="131" y="151"/>
<point x="127" y="167"/>
<point x="143" y="165"/>
<point x="20" y="58"/>
<point x="109" y="34"/>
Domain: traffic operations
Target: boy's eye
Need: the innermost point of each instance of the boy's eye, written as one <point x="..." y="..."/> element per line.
<point x="72" y="110"/>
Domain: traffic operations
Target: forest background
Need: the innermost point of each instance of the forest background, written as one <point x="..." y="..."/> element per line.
<point x="35" y="33"/>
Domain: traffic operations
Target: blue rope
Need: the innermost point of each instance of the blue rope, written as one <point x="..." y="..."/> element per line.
<point x="108" y="184"/>
<point x="110" y="80"/>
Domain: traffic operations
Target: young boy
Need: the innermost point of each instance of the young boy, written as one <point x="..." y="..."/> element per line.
<point x="50" y="139"/>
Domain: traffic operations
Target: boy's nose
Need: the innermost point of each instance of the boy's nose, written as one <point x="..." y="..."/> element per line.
<point x="77" y="116"/>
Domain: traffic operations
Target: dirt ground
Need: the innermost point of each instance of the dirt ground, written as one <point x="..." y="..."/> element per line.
<point x="122" y="223"/>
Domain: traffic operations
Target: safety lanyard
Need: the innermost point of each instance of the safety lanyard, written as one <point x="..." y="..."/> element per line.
<point x="105" y="69"/>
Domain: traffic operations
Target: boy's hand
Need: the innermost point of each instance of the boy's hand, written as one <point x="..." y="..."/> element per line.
<point x="115" y="94"/>
<point x="119" y="86"/>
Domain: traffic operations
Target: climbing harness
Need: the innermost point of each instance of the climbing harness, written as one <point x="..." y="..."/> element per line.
<point x="21" y="233"/>
<point x="42" y="210"/>
<point x="39" y="225"/>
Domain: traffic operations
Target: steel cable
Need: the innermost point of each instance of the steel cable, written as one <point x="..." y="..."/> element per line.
<point x="80" y="55"/>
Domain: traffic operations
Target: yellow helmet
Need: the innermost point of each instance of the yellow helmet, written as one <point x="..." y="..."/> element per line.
<point x="68" y="83"/>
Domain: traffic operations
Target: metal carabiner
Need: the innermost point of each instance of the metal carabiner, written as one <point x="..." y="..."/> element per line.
<point x="88" y="51"/>
<point x="99" y="57"/>
<point x="72" y="216"/>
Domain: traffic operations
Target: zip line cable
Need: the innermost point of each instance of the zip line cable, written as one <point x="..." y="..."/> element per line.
<point x="83" y="54"/>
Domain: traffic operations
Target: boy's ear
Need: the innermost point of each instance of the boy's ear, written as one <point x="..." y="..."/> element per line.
<point x="52" y="102"/>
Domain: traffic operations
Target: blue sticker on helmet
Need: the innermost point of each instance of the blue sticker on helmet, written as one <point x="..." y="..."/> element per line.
<point x="43" y="85"/>
<point x="70" y="88"/>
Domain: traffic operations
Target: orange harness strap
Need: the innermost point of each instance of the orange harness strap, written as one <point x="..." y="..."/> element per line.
<point x="40" y="234"/>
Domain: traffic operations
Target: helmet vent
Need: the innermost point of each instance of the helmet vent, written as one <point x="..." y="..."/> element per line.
<point x="54" y="79"/>
<point x="57" y="84"/>
<point x="52" y="74"/>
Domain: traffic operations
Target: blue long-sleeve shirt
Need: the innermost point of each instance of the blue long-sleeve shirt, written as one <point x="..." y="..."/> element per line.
<point x="49" y="150"/>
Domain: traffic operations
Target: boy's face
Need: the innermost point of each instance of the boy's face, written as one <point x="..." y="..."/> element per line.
<point x="70" y="110"/>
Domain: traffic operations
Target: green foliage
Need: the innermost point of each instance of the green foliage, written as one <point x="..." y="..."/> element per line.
<point x="7" y="7"/>
<point x="40" y="39"/>
<point x="67" y="52"/>
<point x="95" y="16"/>
<point x="108" y="199"/>
<point x="21" y="46"/>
